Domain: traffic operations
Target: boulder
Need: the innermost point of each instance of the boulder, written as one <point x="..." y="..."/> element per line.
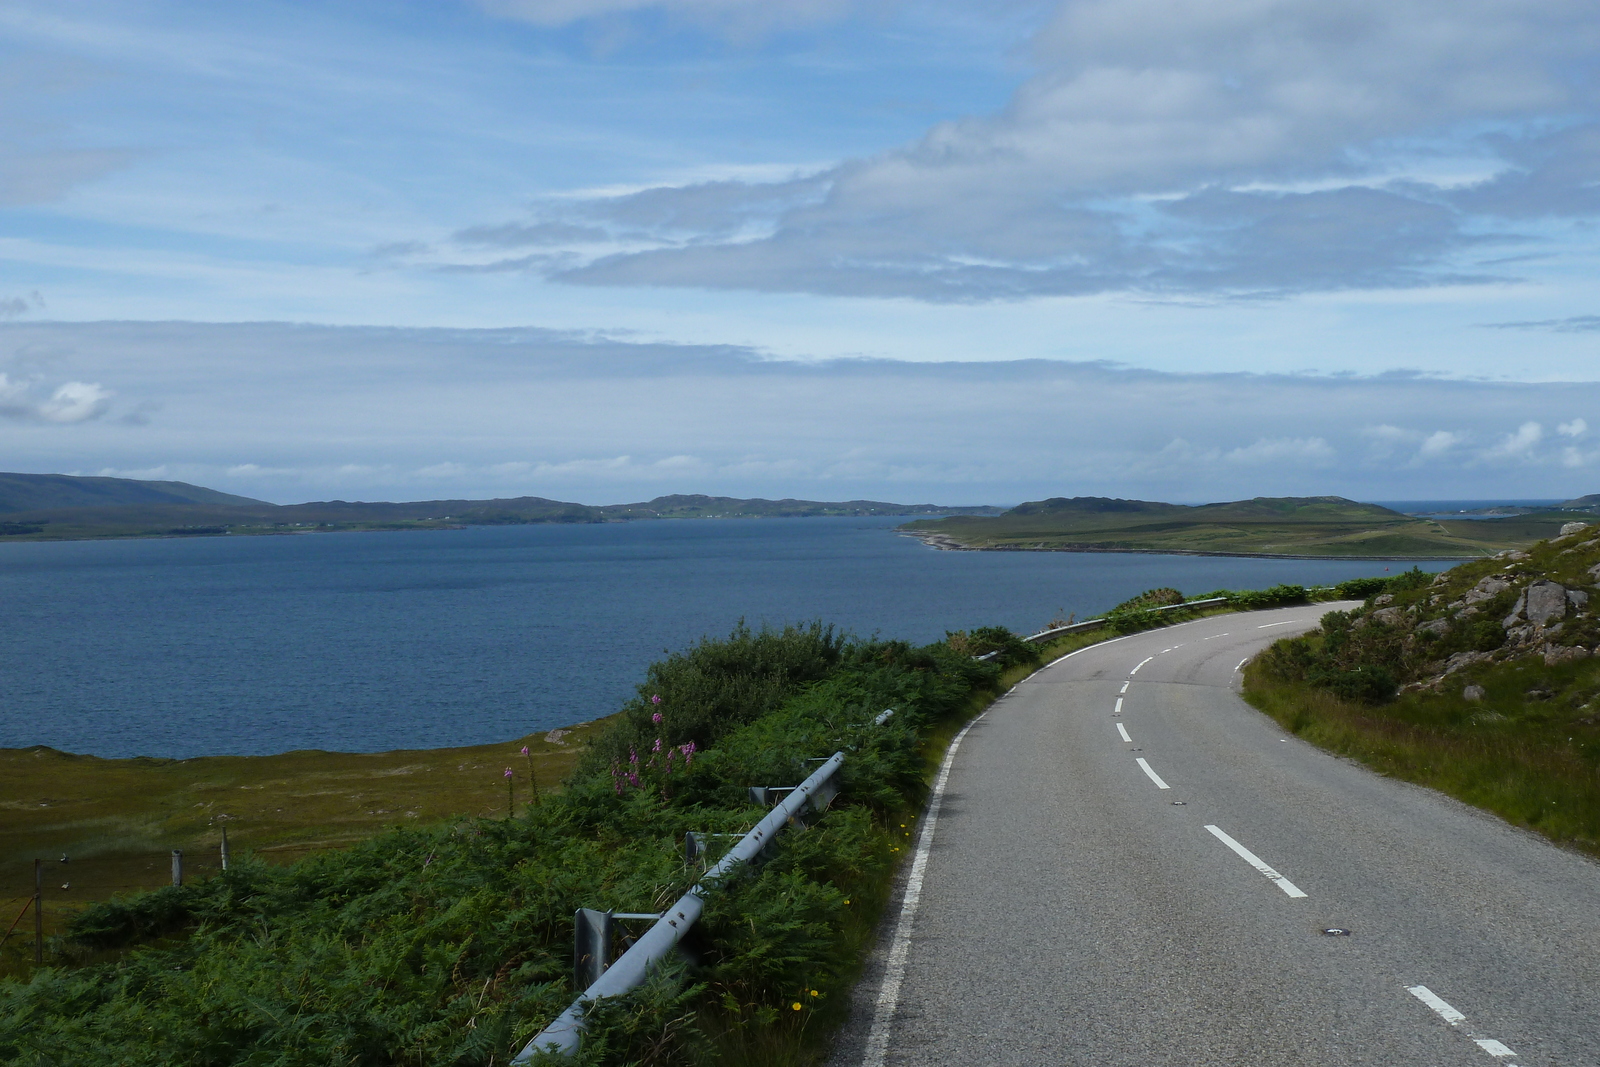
<point x="1558" y="654"/>
<point x="1386" y="598"/>
<point x="1473" y="693"/>
<point x="1572" y="528"/>
<point x="1578" y="599"/>
<point x="1390" y="616"/>
<point x="1546" y="600"/>
<point x="1487" y="589"/>
<point x="1463" y="659"/>
<point x="1594" y="572"/>
<point x="1436" y="626"/>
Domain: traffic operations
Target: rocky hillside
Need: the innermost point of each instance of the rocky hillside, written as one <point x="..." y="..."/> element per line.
<point x="1532" y="606"/>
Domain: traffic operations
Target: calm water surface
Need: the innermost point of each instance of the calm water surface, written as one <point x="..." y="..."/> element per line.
<point x="369" y="642"/>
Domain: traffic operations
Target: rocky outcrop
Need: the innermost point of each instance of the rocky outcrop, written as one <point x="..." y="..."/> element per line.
<point x="1539" y="603"/>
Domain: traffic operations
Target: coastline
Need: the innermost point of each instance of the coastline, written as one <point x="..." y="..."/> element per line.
<point x="945" y="543"/>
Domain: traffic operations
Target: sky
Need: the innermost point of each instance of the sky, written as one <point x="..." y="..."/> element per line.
<point x="952" y="251"/>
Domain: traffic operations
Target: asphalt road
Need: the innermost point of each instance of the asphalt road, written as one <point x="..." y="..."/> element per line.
<point x="1073" y="907"/>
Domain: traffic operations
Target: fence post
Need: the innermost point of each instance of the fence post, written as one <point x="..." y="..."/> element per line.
<point x="38" y="913"/>
<point x="177" y="866"/>
<point x="224" y="846"/>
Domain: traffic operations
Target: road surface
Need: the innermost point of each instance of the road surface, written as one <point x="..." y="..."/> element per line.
<point x="1130" y="866"/>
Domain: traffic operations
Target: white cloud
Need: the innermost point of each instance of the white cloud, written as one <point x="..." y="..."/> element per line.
<point x="1165" y="146"/>
<point x="1313" y="451"/>
<point x="76" y="402"/>
<point x="71" y="402"/>
<point x="1438" y="443"/>
<point x="1519" y="444"/>
<point x="1575" y="428"/>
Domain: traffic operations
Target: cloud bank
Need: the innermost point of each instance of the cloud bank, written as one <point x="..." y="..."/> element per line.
<point x="294" y="413"/>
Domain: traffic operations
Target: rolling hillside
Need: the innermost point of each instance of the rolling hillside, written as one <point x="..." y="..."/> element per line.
<point x="1322" y="526"/>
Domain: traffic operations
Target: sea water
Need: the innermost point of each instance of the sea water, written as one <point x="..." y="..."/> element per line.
<point x="375" y="641"/>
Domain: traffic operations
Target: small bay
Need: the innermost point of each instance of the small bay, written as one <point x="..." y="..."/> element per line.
<point x="371" y="642"/>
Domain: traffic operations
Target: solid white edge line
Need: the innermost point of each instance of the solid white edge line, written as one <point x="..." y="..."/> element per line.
<point x="1241" y="663"/>
<point x="894" y="972"/>
<point x="1434" y="1001"/>
<point x="1154" y="777"/>
<point x="1123" y="730"/>
<point x="1257" y="862"/>
<point x="1286" y="622"/>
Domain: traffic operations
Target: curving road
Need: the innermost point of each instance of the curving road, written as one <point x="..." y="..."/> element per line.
<point x="1150" y="885"/>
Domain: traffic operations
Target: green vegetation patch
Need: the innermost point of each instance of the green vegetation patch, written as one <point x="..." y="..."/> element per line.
<point x="451" y="943"/>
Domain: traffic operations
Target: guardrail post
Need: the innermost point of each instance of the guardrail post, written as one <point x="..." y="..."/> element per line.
<point x="591" y="946"/>
<point x="177" y="866"/>
<point x="224" y="846"/>
<point x="38" y="911"/>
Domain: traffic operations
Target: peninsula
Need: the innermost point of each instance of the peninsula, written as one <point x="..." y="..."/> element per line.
<point x="1314" y="527"/>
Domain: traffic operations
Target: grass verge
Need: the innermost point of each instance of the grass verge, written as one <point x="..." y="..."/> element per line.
<point x="1535" y="765"/>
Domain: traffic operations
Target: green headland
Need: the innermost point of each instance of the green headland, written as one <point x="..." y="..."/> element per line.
<point x="1316" y="526"/>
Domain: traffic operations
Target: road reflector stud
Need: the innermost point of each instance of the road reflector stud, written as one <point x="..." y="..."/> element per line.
<point x="1336" y="931"/>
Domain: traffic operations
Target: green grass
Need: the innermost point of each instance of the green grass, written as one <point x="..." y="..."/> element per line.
<point x="118" y="820"/>
<point x="1534" y="763"/>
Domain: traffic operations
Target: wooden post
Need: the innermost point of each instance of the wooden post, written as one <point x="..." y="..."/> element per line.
<point x="38" y="913"/>
<point x="177" y="866"/>
<point x="224" y="846"/>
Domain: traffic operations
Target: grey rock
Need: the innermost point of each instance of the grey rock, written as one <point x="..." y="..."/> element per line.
<point x="1578" y="599"/>
<point x="1572" y="528"/>
<point x="1390" y="616"/>
<point x="1558" y="654"/>
<point x="1487" y="589"/>
<point x="1386" y="598"/>
<point x="1463" y="659"/>
<point x="1436" y="626"/>
<point x="1473" y="693"/>
<point x="1516" y="610"/>
<point x="1594" y="572"/>
<point x="1546" y="600"/>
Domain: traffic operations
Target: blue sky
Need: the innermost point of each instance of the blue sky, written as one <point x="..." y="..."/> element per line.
<point x="602" y="249"/>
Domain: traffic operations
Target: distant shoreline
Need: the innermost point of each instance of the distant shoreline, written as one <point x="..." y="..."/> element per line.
<point x="946" y="543"/>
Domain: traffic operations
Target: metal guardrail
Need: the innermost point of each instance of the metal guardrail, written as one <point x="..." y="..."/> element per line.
<point x="633" y="966"/>
<point x="1095" y="624"/>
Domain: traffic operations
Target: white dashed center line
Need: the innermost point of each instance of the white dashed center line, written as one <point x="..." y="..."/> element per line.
<point x="1124" y="688"/>
<point x="1213" y="637"/>
<point x="1142" y="662"/>
<point x="1154" y="777"/>
<point x="1455" y="1018"/>
<point x="1123" y="730"/>
<point x="1255" y="861"/>
<point x="1118" y="709"/>
<point x="1289" y="622"/>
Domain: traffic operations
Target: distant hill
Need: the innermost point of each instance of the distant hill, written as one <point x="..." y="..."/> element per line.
<point x="1316" y="526"/>
<point x="37" y="492"/>
<point x="1583" y="503"/>
<point x="62" y="507"/>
